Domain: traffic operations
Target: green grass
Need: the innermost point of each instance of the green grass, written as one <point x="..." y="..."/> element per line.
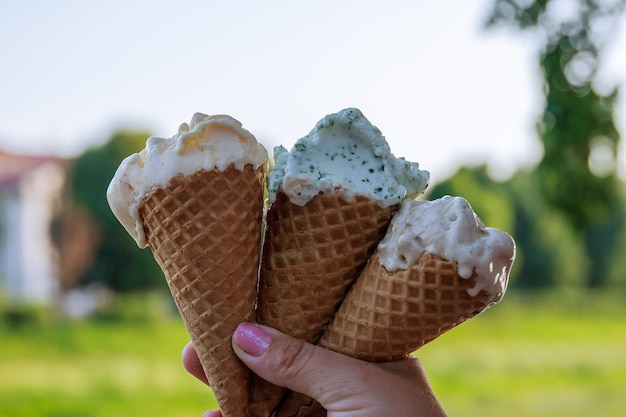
<point x="541" y="355"/>
<point x="107" y="367"/>
<point x="544" y="355"/>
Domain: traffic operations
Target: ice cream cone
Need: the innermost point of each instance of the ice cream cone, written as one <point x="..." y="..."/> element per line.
<point x="205" y="233"/>
<point x="388" y="315"/>
<point x="332" y="198"/>
<point x="311" y="256"/>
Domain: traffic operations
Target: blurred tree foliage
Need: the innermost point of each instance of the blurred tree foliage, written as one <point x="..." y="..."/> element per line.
<point x="577" y="120"/>
<point x="577" y="174"/>
<point x="118" y="262"/>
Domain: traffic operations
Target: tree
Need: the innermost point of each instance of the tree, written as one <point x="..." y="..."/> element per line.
<point x="577" y="174"/>
<point x="118" y="262"/>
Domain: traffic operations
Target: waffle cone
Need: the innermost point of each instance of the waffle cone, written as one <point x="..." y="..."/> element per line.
<point x="312" y="254"/>
<point x="205" y="233"/>
<point x="387" y="315"/>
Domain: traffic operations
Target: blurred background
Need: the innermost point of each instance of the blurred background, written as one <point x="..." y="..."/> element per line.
<point x="516" y="105"/>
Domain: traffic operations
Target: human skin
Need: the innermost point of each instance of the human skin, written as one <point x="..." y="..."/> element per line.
<point x="344" y="386"/>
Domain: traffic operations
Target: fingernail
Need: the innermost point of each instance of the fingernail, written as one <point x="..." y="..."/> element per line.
<point x="252" y="339"/>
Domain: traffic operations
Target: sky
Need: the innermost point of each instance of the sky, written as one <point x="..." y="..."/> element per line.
<point x="443" y="91"/>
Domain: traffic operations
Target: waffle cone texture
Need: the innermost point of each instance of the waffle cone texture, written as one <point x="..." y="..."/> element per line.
<point x="205" y="233"/>
<point x="387" y="315"/>
<point x="312" y="254"/>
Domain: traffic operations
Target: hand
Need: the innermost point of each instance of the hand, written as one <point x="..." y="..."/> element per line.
<point x="344" y="386"/>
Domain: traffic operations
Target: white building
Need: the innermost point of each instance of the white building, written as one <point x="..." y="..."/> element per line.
<point x="31" y="190"/>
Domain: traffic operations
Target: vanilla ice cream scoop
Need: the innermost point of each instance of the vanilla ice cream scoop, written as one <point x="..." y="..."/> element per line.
<point x="206" y="143"/>
<point x="344" y="155"/>
<point x="449" y="228"/>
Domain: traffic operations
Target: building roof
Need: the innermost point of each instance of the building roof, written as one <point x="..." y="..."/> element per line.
<point x="14" y="166"/>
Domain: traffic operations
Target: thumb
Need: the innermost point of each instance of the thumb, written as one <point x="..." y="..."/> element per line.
<point x="292" y="363"/>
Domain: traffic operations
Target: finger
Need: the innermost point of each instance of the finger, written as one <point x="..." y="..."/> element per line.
<point x="295" y="364"/>
<point x="192" y="364"/>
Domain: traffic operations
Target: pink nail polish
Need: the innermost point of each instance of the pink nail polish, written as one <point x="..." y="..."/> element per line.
<point x="252" y="339"/>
